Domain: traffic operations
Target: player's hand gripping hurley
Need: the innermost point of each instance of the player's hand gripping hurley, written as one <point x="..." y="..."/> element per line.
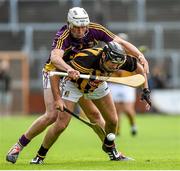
<point x="132" y="81"/>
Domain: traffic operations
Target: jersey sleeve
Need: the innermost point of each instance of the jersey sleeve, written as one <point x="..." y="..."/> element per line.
<point x="81" y="64"/>
<point x="101" y="33"/>
<point x="130" y="64"/>
<point x="86" y="60"/>
<point x="61" y="40"/>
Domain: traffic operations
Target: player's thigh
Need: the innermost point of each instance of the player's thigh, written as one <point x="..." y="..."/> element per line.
<point x="106" y="107"/>
<point x="69" y="104"/>
<point x="89" y="109"/>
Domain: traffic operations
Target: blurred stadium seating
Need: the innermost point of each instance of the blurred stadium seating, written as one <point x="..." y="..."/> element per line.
<point x="29" y="26"/>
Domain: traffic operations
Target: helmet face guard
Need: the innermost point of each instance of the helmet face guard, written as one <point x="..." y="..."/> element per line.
<point x="114" y="53"/>
<point x="78" y="17"/>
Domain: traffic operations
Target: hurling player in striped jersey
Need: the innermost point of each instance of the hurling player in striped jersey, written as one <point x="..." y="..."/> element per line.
<point x="99" y="62"/>
<point x="79" y="33"/>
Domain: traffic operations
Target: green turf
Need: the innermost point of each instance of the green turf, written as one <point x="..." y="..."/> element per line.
<point x="157" y="146"/>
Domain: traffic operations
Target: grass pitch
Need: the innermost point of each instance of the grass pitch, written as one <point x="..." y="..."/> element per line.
<point x="156" y="147"/>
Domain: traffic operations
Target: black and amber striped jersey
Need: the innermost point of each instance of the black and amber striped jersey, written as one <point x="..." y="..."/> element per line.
<point x="88" y="62"/>
<point x="71" y="46"/>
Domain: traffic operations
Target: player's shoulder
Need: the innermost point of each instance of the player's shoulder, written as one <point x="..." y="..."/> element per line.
<point x="99" y="29"/>
<point x="64" y="27"/>
<point x="131" y="58"/>
<point x="96" y="26"/>
<point x="92" y="51"/>
<point x="64" y="30"/>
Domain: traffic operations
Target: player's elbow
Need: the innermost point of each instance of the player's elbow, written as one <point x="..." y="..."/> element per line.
<point x="56" y="55"/>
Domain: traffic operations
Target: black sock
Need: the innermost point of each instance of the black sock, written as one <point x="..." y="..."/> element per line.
<point x="42" y="152"/>
<point x="23" y="141"/>
<point x="107" y="142"/>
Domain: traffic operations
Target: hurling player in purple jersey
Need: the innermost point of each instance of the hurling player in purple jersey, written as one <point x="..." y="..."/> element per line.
<point x="79" y="33"/>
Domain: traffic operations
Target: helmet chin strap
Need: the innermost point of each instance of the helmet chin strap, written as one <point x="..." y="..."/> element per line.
<point x="70" y="25"/>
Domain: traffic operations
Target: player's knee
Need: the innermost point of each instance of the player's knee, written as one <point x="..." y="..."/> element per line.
<point x="95" y="116"/>
<point x="113" y="121"/>
<point x="60" y="127"/>
<point x="50" y="117"/>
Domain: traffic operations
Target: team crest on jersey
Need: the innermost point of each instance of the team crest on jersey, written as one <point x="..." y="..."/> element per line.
<point x="66" y="94"/>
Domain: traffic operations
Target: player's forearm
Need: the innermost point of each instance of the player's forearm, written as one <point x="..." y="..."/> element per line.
<point x="57" y="60"/>
<point x="145" y="85"/>
<point x="54" y="80"/>
<point x="130" y="48"/>
<point x="140" y="70"/>
<point x="58" y="101"/>
<point x="60" y="64"/>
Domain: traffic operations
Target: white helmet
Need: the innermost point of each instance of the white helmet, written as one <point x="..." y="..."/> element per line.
<point x="78" y="17"/>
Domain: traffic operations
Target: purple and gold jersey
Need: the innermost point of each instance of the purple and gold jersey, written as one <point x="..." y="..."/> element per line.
<point x="71" y="46"/>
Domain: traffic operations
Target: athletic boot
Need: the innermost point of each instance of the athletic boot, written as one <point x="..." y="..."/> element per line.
<point x="13" y="153"/>
<point x="133" y="130"/>
<point x="114" y="155"/>
<point x="37" y="160"/>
